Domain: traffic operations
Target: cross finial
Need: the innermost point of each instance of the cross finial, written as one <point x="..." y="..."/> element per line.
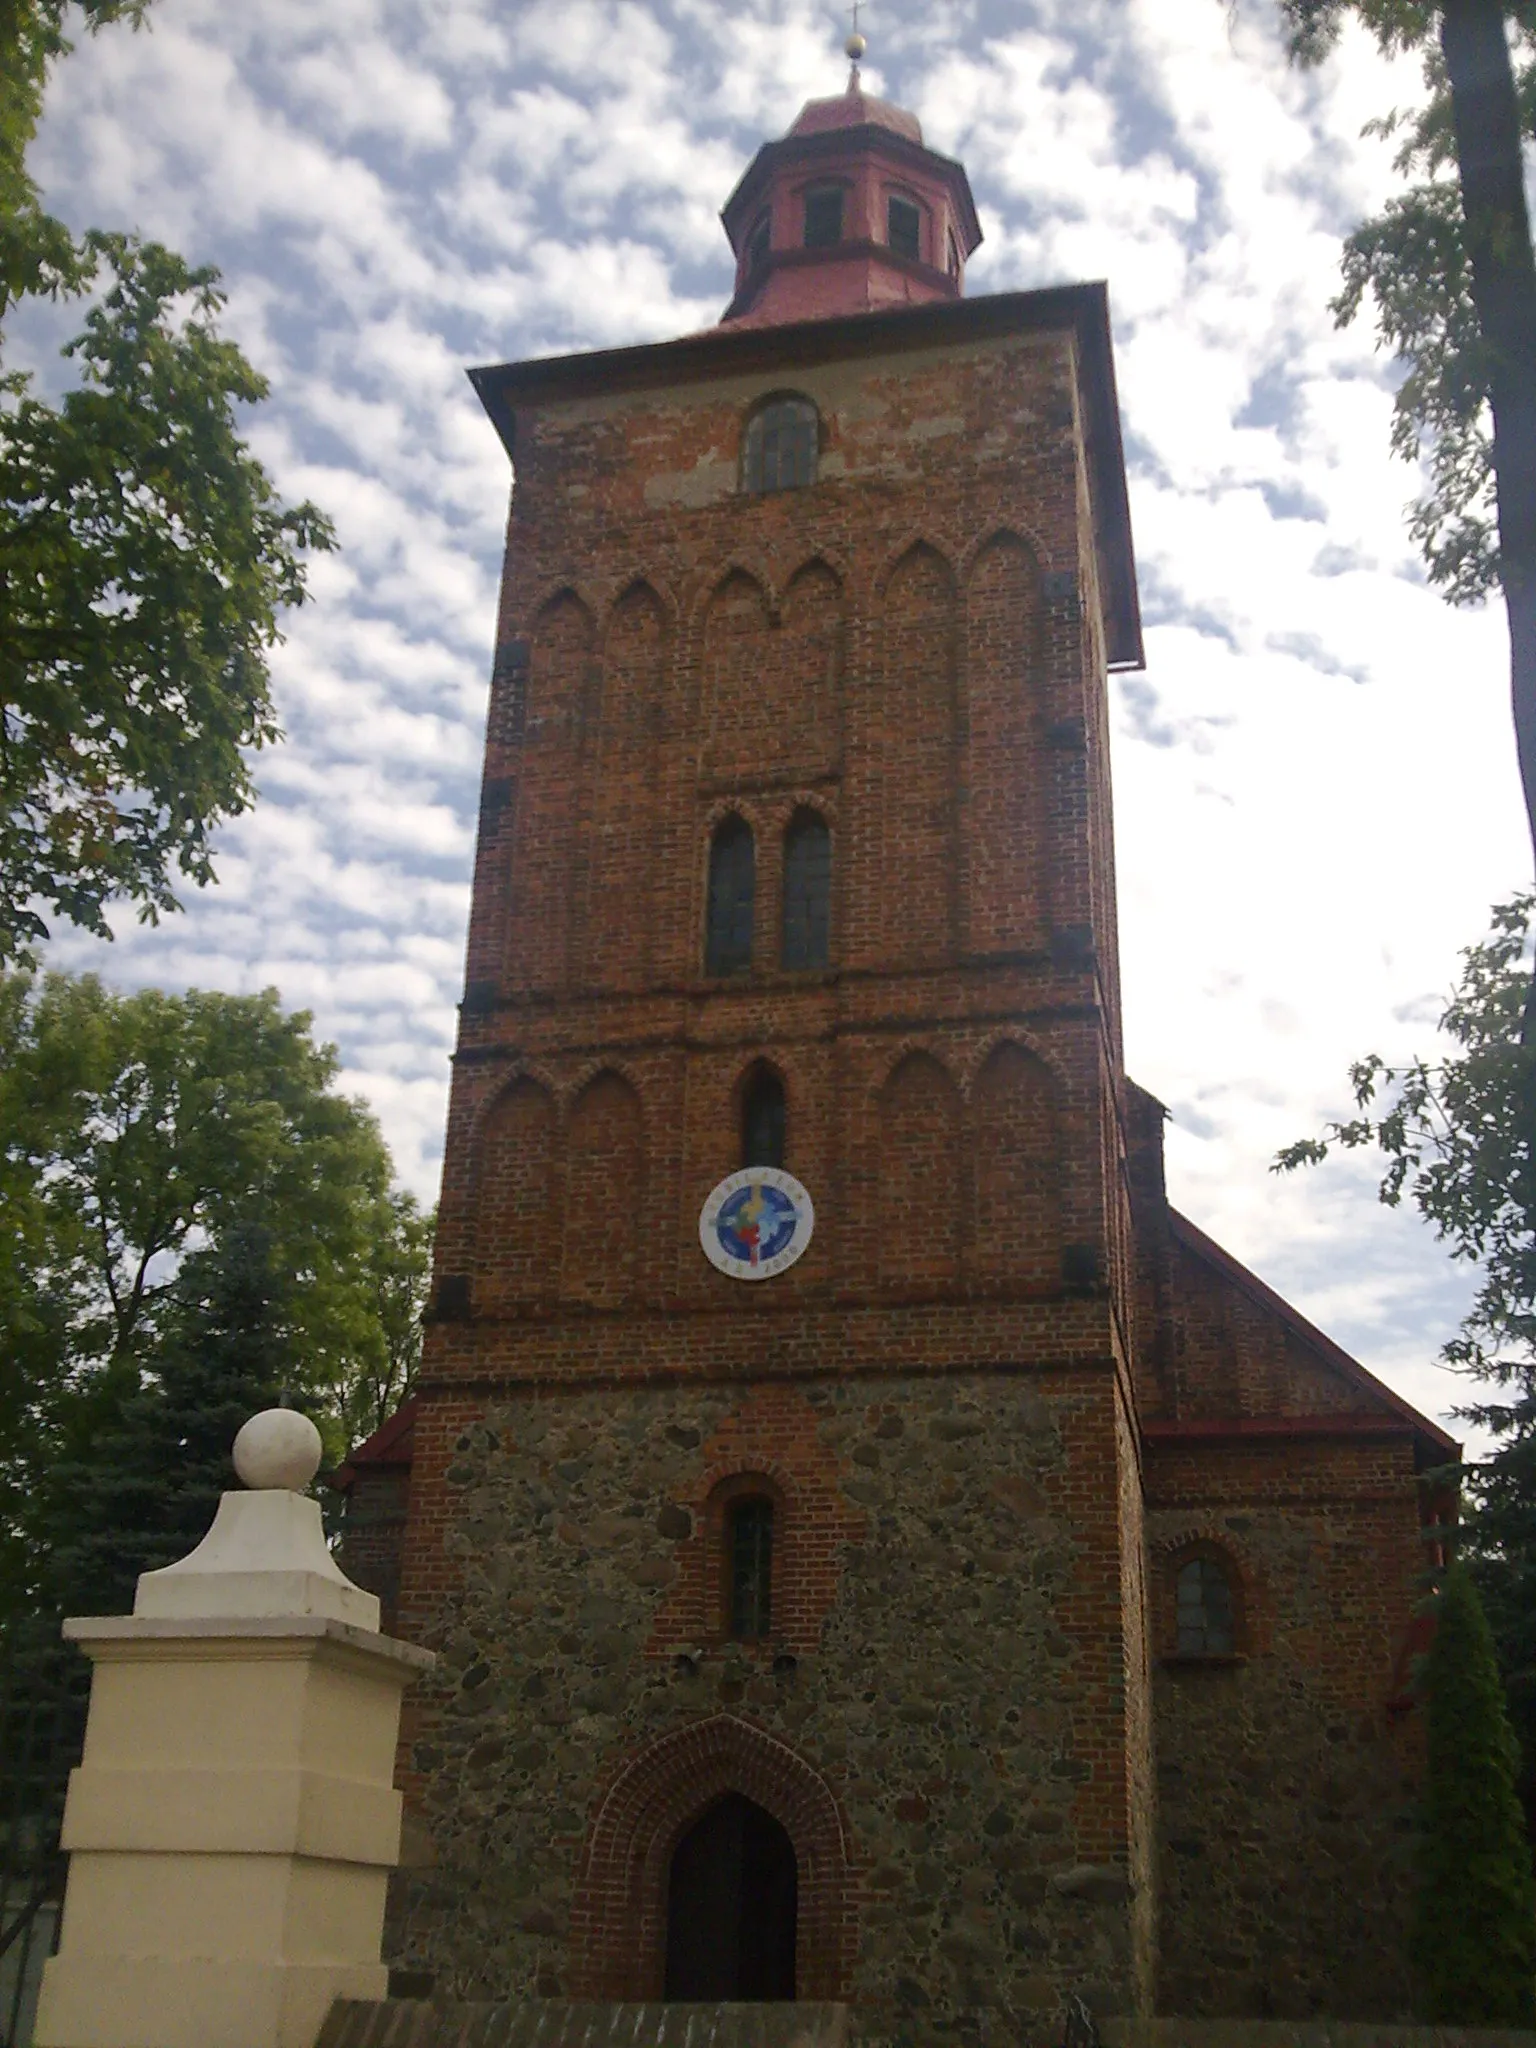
<point x="855" y="46"/>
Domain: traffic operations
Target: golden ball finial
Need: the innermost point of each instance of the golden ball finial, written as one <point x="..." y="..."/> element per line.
<point x="855" y="46"/>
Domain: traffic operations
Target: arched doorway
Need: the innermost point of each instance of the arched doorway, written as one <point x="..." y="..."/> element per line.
<point x="732" y="1897"/>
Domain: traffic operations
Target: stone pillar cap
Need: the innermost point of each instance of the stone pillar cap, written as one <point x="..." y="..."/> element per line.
<point x="266" y="1554"/>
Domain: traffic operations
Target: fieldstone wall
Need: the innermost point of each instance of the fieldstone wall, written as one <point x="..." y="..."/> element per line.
<point x="954" y="1700"/>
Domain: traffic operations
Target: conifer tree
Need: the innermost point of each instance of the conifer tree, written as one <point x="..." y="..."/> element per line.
<point x="142" y="1489"/>
<point x="1475" y="1932"/>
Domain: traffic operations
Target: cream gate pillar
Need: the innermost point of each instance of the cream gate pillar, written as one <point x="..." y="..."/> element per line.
<point x="233" y="1821"/>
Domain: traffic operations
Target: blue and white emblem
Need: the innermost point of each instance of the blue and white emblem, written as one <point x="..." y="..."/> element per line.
<point x="756" y="1222"/>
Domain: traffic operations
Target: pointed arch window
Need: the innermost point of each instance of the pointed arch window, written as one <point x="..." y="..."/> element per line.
<point x="779" y="447"/>
<point x="806" y="940"/>
<point x="1206" y="1613"/>
<point x="762" y="1118"/>
<point x="732" y="885"/>
<point x="758" y="244"/>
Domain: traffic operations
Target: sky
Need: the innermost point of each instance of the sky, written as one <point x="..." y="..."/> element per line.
<point x="1315" y="791"/>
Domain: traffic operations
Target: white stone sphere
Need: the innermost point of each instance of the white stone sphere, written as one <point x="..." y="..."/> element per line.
<point x="278" y="1448"/>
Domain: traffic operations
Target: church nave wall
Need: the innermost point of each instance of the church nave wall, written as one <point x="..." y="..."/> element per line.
<point x="1288" y="1756"/>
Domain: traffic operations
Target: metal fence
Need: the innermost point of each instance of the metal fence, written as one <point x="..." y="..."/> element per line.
<point x="44" y="1691"/>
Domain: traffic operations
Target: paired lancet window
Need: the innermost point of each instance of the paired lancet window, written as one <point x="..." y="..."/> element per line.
<point x="732" y="885"/>
<point x="805" y="938"/>
<point x="807" y="934"/>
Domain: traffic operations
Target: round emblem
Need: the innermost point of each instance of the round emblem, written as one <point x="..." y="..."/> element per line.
<point x="756" y="1222"/>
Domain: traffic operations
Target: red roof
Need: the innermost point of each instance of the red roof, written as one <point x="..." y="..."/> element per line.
<point x="391" y="1445"/>
<point x="856" y="109"/>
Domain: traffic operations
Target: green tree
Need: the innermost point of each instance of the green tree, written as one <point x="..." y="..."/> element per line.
<point x="37" y="252"/>
<point x="1449" y="266"/>
<point x="141" y="1490"/>
<point x="398" y="1263"/>
<point x="137" y="1132"/>
<point x="1475" y="1927"/>
<point x="144" y="556"/>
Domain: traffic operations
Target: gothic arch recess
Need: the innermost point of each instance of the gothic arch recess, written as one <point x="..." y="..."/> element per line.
<point x="618" y="1928"/>
<point x="911" y="759"/>
<point x="1005" y="840"/>
<point x="622" y="805"/>
<point x="920" y="1159"/>
<point x="604" y="1187"/>
<point x="812" y="656"/>
<point x="514" y="1199"/>
<point x="560" y="655"/>
<point x="1016" y="1235"/>
<point x="737" y="625"/>
<point x="771" y="675"/>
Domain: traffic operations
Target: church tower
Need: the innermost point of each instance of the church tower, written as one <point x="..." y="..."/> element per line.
<point x="777" y="1499"/>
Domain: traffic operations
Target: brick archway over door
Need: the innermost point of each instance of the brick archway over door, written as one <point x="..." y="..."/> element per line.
<point x="619" y="1930"/>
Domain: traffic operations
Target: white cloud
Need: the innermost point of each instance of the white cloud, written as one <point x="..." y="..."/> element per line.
<point x="1315" y="796"/>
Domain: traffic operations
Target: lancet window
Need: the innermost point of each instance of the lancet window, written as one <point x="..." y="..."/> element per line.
<point x="762" y="1118"/>
<point x="749" y="1561"/>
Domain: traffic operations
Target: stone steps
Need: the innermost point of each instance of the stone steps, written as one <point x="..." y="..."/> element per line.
<point x="1126" y="2033"/>
<point x="562" y="2023"/>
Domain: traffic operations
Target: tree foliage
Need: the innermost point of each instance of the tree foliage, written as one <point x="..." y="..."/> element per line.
<point x="144" y="556"/>
<point x="1449" y="267"/>
<point x="37" y="252"/>
<point x="1475" y="1931"/>
<point x="141" y="1490"/>
<point x="139" y="1135"/>
<point x="145" y="560"/>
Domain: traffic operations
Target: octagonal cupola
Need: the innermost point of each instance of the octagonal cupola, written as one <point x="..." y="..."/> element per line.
<point x="849" y="213"/>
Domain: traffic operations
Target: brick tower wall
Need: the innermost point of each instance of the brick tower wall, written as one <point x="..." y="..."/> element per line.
<point x="936" y="1394"/>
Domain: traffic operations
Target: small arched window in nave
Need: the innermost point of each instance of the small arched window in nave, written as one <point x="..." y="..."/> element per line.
<point x="732" y="885"/>
<point x="779" y="447"/>
<point x="807" y="934"/>
<point x="1205" y="1614"/>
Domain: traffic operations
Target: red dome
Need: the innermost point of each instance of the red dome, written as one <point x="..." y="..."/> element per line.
<point x="856" y="109"/>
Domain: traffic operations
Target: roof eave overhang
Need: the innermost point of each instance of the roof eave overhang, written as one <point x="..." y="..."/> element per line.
<point x="1080" y="309"/>
<point x="869" y="136"/>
